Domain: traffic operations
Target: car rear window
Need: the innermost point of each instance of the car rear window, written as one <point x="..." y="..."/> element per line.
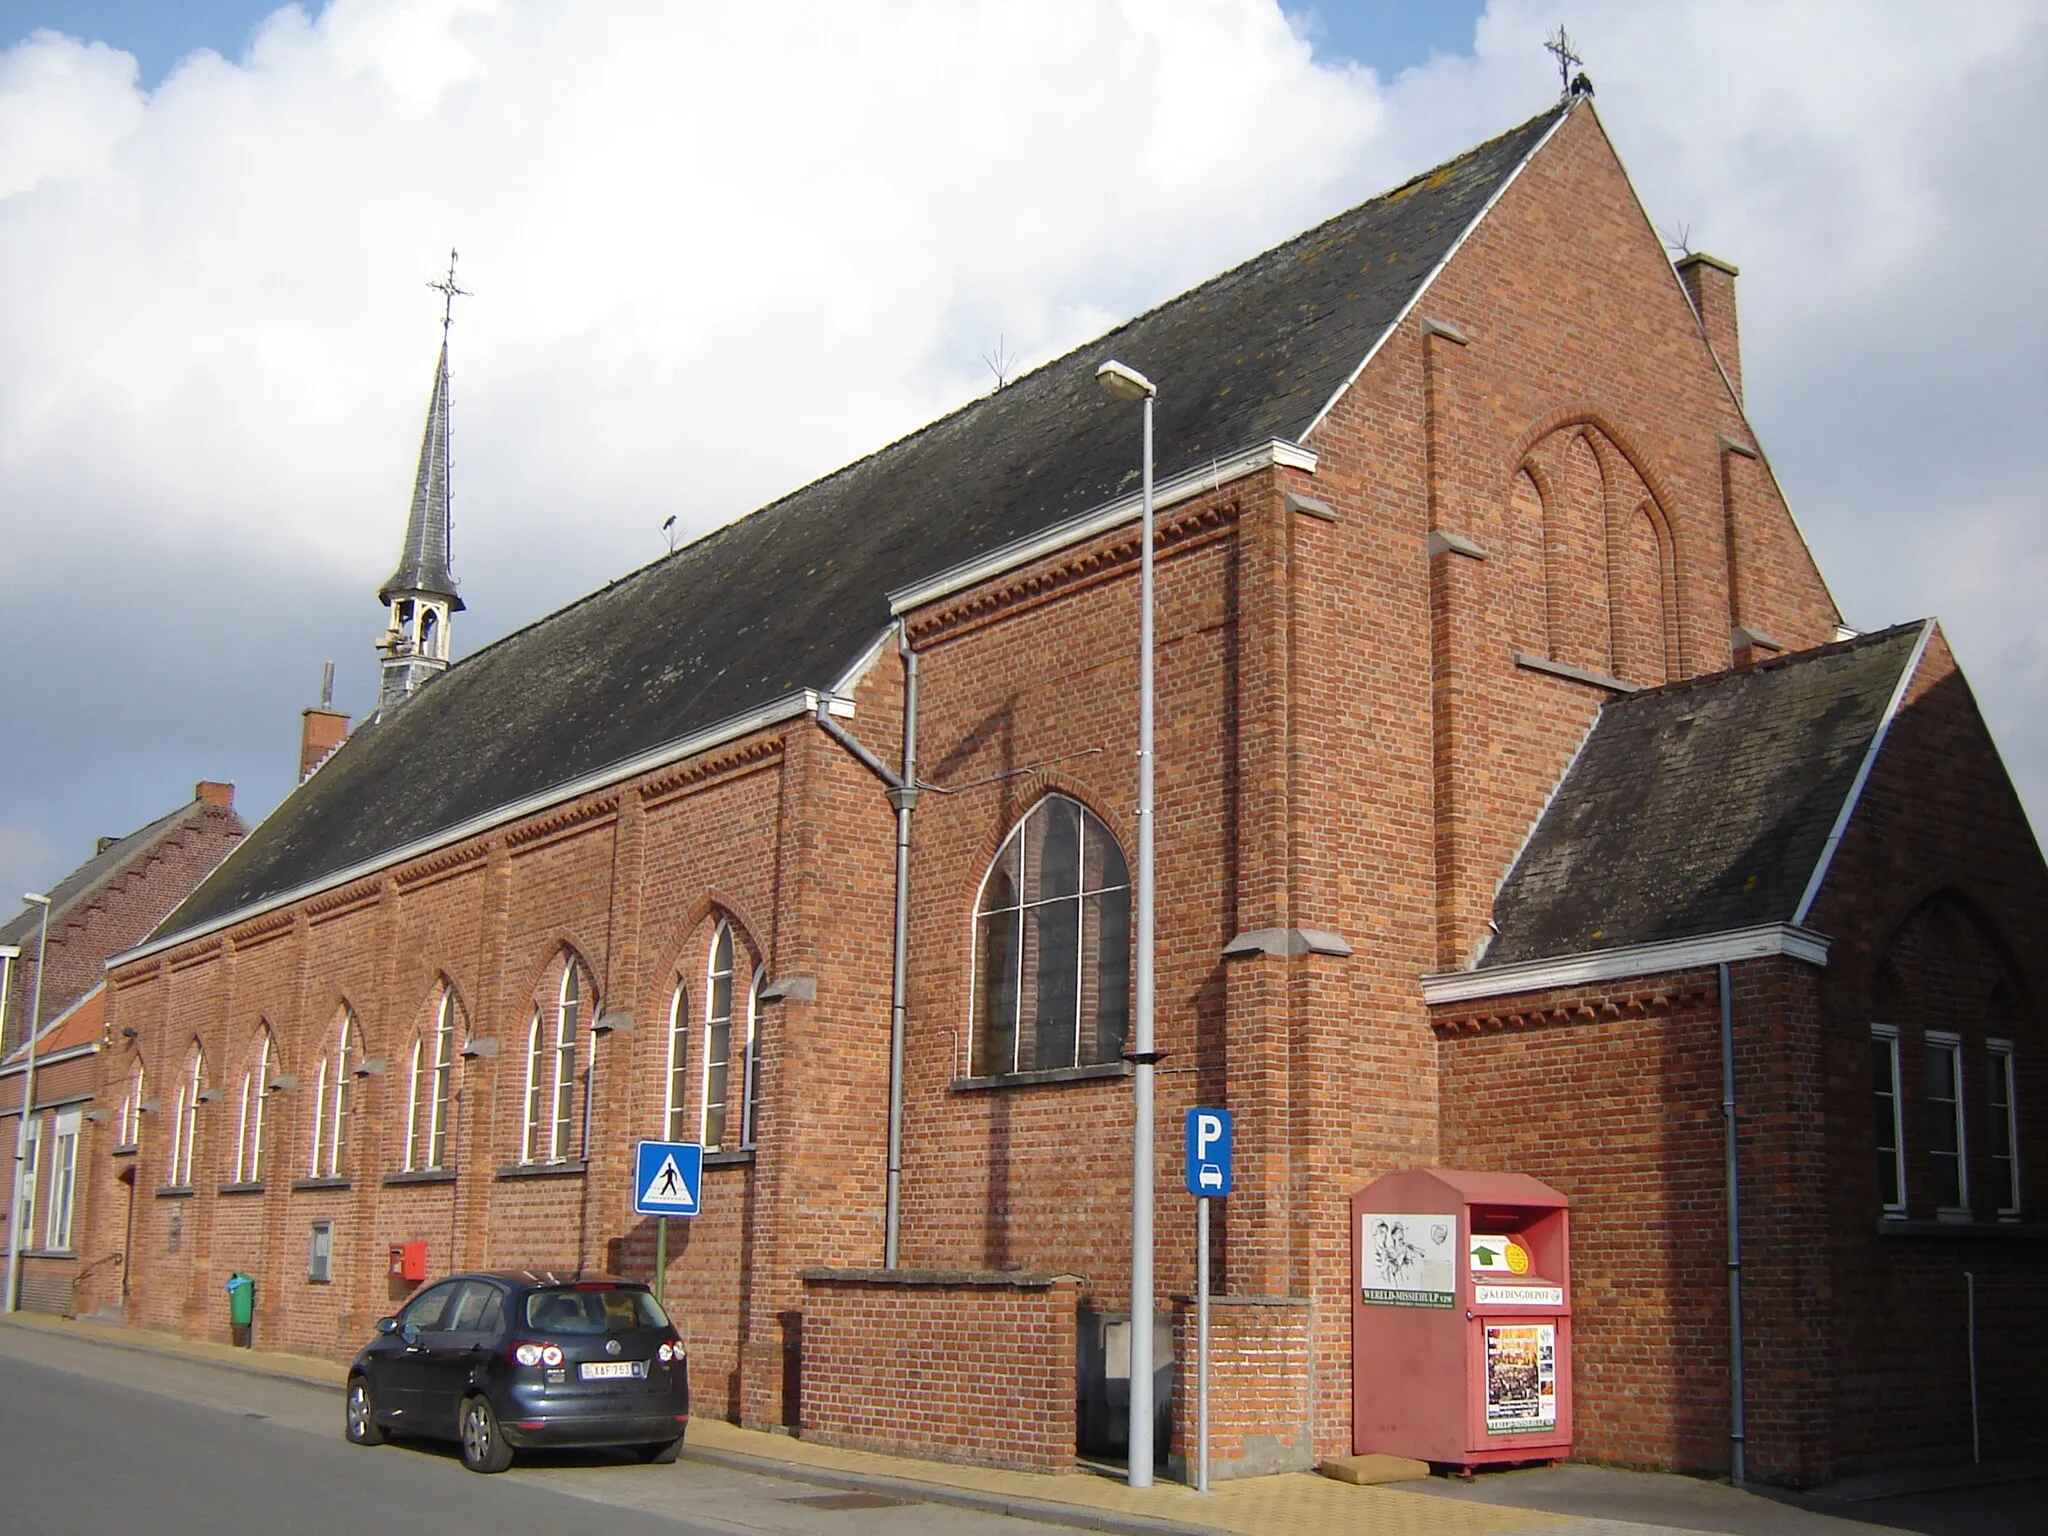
<point x="593" y="1310"/>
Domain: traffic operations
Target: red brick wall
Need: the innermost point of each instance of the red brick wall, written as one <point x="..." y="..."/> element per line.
<point x="958" y="1367"/>
<point x="119" y="915"/>
<point x="1259" y="1406"/>
<point x="1939" y="874"/>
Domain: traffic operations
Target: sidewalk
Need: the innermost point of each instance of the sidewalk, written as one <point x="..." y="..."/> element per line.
<point x="1294" y="1504"/>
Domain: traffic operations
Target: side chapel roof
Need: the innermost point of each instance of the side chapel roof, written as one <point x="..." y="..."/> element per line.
<point x="1701" y="807"/>
<point x="792" y="595"/>
<point x="114" y="860"/>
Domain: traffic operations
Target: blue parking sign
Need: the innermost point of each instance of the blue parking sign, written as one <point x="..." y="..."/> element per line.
<point x="1208" y="1165"/>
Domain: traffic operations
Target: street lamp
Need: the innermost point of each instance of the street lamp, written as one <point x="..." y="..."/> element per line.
<point x="1128" y="384"/>
<point x="28" y="1099"/>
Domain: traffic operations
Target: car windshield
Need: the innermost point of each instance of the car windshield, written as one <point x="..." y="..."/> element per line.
<point x="593" y="1310"/>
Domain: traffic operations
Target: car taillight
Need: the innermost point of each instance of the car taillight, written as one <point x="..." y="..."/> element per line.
<point x="537" y="1354"/>
<point x="665" y="1354"/>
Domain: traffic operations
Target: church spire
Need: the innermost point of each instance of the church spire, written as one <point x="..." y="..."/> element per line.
<point x="421" y="592"/>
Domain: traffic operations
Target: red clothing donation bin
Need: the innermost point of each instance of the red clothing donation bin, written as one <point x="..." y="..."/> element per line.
<point x="1461" y="1347"/>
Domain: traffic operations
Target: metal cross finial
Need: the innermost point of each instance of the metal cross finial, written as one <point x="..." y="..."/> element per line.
<point x="1561" y="47"/>
<point x="449" y="293"/>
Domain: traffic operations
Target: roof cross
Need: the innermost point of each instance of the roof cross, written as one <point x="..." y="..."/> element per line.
<point x="450" y="293"/>
<point x="1560" y="47"/>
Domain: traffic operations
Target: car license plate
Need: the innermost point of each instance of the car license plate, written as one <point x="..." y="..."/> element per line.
<point x="613" y="1370"/>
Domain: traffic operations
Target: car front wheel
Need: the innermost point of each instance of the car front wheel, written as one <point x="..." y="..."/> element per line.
<point x="361" y="1422"/>
<point x="483" y="1443"/>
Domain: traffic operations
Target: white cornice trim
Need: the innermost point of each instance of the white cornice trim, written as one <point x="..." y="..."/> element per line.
<point x="1125" y="509"/>
<point x="789" y="707"/>
<point x="69" y="1053"/>
<point x="1435" y="272"/>
<point x="1855" y="795"/>
<point x="1635" y="960"/>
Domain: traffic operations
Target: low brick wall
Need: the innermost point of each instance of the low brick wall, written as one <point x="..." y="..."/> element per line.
<point x="959" y="1365"/>
<point x="1259" y="1410"/>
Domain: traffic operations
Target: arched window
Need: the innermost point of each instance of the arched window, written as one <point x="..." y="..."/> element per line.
<point x="129" y="1131"/>
<point x="1052" y="945"/>
<point x="722" y="1094"/>
<point x="675" y="1083"/>
<point x="249" y="1118"/>
<point x="433" y="1074"/>
<point x="549" y="1133"/>
<point x="429" y="633"/>
<point x="185" y="1119"/>
<point x="330" y="1100"/>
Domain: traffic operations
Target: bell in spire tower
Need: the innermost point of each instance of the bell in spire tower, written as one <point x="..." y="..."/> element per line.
<point x="421" y="593"/>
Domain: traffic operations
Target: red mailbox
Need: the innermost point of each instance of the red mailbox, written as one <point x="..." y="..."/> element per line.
<point x="408" y="1261"/>
<point x="1461" y="1350"/>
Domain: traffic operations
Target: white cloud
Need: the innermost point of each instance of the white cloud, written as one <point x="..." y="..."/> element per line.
<point x="718" y="250"/>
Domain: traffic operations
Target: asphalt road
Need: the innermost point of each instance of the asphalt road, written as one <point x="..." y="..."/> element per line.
<point x="94" y="1439"/>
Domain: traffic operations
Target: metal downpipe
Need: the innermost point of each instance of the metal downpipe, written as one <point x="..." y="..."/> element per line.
<point x="903" y="796"/>
<point x="1737" y="1428"/>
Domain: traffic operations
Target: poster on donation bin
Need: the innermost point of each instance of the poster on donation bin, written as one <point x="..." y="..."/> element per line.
<point x="1521" y="1378"/>
<point x="1406" y="1261"/>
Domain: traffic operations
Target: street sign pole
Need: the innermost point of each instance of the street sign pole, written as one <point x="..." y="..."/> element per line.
<point x="661" y="1261"/>
<point x="1202" y="1343"/>
<point x="1209" y="1177"/>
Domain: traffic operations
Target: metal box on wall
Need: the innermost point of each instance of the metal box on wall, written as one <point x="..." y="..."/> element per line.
<point x="1461" y="1318"/>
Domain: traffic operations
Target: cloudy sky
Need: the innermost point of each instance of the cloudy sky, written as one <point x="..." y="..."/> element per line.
<point x="718" y="249"/>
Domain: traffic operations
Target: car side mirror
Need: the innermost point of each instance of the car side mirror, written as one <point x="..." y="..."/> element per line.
<point x="387" y="1325"/>
<point x="410" y="1333"/>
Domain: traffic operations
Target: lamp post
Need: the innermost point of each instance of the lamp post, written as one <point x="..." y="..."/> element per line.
<point x="28" y="1099"/>
<point x="1128" y="384"/>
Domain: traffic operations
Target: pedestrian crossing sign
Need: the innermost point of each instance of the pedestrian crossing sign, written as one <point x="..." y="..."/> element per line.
<point x="667" y="1176"/>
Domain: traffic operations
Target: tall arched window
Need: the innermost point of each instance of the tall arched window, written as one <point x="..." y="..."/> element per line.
<point x="330" y="1101"/>
<point x="129" y="1132"/>
<point x="1052" y="945"/>
<point x="249" y="1117"/>
<point x="549" y="1133"/>
<point x="675" y="1082"/>
<point x="185" y="1119"/>
<point x="723" y="1095"/>
<point x="433" y="1075"/>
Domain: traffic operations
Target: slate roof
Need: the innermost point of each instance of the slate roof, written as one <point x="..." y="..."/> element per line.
<point x="423" y="558"/>
<point x="86" y="880"/>
<point x="1700" y="807"/>
<point x="792" y="595"/>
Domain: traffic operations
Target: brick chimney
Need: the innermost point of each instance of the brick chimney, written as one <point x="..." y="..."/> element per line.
<point x="222" y="795"/>
<point x="321" y="729"/>
<point x="1710" y="282"/>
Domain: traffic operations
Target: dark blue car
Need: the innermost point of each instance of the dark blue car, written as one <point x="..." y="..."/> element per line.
<point x="512" y="1360"/>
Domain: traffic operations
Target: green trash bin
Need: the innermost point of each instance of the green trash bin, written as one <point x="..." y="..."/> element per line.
<point x="241" y="1290"/>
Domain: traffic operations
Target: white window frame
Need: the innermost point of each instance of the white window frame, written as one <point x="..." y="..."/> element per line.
<point x="723" y="933"/>
<point x="674" y="1079"/>
<point x="1952" y="1044"/>
<point x="569" y="1005"/>
<point x="330" y="1115"/>
<point x="185" y="1120"/>
<point x="24" y="1214"/>
<point x="552" y="1139"/>
<point x="433" y="1067"/>
<point x="63" y="1181"/>
<point x="1894" y="1210"/>
<point x="2005" y="1076"/>
<point x="130" y="1128"/>
<point x="249" y="1123"/>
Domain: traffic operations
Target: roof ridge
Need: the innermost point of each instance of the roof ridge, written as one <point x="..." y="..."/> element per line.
<point x="1770" y="664"/>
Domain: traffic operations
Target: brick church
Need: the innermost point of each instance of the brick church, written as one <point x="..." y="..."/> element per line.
<point x="1512" y="753"/>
